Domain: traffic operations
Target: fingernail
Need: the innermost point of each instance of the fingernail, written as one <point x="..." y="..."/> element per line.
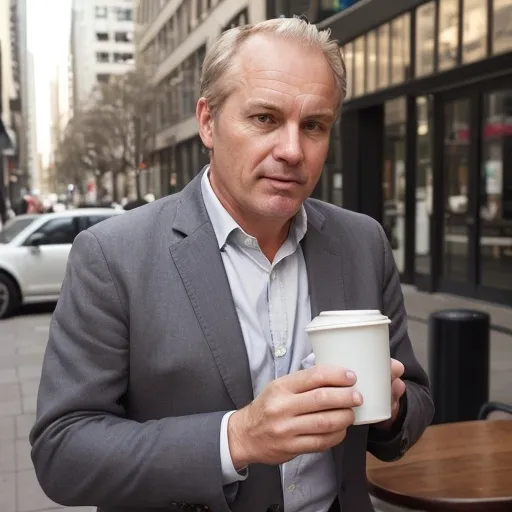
<point x="358" y="399"/>
<point x="350" y="375"/>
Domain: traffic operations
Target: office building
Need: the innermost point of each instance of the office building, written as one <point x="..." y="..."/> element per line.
<point x="101" y="45"/>
<point x="425" y="142"/>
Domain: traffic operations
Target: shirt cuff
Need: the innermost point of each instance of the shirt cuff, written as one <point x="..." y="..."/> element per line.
<point x="229" y="473"/>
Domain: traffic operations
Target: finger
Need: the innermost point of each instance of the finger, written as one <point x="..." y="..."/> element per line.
<point x="397" y="369"/>
<point x="397" y="389"/>
<point x="324" y="399"/>
<point x="326" y="422"/>
<point x="318" y="376"/>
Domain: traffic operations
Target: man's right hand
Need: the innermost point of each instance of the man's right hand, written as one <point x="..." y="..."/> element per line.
<point x="304" y="412"/>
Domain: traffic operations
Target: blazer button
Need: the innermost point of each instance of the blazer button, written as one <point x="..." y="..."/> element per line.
<point x="274" y="508"/>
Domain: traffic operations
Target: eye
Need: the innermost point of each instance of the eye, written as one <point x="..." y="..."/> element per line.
<point x="263" y="118"/>
<point x="312" y="126"/>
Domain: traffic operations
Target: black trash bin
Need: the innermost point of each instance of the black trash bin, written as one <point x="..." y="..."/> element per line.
<point x="458" y="355"/>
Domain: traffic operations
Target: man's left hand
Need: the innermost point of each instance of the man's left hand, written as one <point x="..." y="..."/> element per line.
<point x="397" y="390"/>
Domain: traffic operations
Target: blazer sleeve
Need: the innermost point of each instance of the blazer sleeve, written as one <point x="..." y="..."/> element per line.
<point x="85" y="449"/>
<point x="416" y="407"/>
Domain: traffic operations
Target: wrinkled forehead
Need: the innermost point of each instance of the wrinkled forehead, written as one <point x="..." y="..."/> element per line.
<point x="283" y="70"/>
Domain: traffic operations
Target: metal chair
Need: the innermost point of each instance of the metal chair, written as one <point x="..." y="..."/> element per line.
<point x="491" y="407"/>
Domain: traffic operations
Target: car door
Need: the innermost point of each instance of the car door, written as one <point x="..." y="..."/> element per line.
<point x="45" y="260"/>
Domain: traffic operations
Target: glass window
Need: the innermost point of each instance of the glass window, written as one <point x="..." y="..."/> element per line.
<point x="474" y="32"/>
<point x="424" y="185"/>
<point x="124" y="14"/>
<point x="14" y="227"/>
<point x="502" y="30"/>
<point x="58" y="231"/>
<point x="102" y="57"/>
<point x="393" y="178"/>
<point x="359" y="66"/>
<point x="448" y="33"/>
<point x="96" y="219"/>
<point x="101" y="12"/>
<point x="349" y="63"/>
<point x="496" y="191"/>
<point x="371" y="61"/>
<point x="425" y="40"/>
<point x="456" y="190"/>
<point x="101" y="36"/>
<point x="383" y="56"/>
<point x="400" y="59"/>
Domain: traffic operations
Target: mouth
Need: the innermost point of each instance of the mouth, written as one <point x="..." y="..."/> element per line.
<point x="283" y="180"/>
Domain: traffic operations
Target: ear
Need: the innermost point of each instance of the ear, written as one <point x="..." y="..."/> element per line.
<point x="205" y="122"/>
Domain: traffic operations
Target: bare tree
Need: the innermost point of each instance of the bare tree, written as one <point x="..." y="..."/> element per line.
<point x="116" y="132"/>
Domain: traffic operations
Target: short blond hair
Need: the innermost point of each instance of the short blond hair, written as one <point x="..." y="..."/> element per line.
<point x="220" y="55"/>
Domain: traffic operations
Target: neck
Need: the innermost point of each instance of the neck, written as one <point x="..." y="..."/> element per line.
<point x="270" y="233"/>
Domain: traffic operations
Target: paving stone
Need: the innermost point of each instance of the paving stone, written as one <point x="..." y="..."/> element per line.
<point x="8" y="492"/>
<point x="24" y="424"/>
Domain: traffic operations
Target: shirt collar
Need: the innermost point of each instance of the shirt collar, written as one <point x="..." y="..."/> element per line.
<point x="223" y="224"/>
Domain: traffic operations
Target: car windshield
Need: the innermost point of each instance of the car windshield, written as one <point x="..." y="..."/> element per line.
<point x="13" y="228"/>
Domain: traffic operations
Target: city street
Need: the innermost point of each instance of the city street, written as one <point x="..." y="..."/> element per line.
<point x="22" y="344"/>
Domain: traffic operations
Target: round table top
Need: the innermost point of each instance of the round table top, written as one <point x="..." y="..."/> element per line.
<point x="455" y="466"/>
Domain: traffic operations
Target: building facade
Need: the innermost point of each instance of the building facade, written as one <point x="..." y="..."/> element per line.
<point x="101" y="44"/>
<point x="425" y="142"/>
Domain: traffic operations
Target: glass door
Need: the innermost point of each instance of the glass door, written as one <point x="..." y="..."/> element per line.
<point x="458" y="188"/>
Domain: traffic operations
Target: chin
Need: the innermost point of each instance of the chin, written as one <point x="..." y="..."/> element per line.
<point x="279" y="207"/>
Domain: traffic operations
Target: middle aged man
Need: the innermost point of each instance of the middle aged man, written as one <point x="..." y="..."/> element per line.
<point x="174" y="376"/>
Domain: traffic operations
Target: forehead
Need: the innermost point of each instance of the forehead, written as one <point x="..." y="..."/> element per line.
<point x="284" y="70"/>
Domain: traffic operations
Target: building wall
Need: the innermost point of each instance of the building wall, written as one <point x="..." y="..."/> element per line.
<point x="101" y="43"/>
<point x="173" y="36"/>
<point x="8" y="91"/>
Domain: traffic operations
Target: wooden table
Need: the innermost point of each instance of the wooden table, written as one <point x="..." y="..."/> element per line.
<point x="453" y="467"/>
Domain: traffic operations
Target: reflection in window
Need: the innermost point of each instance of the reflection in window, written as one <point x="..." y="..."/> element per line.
<point x="496" y="192"/>
<point x="384" y="56"/>
<point x="371" y="61"/>
<point x="502" y="29"/>
<point x="400" y="59"/>
<point x="393" y="178"/>
<point x="448" y="33"/>
<point x="425" y="39"/>
<point x="349" y="63"/>
<point x="424" y="185"/>
<point x="333" y="164"/>
<point x="359" y="66"/>
<point x="474" y="34"/>
<point x="456" y="190"/>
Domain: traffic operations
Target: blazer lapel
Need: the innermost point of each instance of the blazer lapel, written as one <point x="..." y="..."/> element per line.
<point x="324" y="262"/>
<point x="198" y="260"/>
<point x="322" y="254"/>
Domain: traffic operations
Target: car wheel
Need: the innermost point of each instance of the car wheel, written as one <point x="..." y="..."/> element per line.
<point x="9" y="296"/>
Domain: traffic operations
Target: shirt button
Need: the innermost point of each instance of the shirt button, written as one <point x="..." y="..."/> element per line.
<point x="273" y="276"/>
<point x="280" y="351"/>
<point x="248" y="242"/>
<point x="291" y="487"/>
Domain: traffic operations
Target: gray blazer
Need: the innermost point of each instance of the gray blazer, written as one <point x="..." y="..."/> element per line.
<point x="145" y="355"/>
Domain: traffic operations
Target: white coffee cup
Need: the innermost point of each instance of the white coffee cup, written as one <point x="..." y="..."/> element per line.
<point x="358" y="341"/>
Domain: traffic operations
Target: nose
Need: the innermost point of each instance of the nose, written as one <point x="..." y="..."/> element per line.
<point x="288" y="148"/>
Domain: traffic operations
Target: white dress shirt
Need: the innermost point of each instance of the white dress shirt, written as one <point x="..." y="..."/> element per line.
<point x="273" y="307"/>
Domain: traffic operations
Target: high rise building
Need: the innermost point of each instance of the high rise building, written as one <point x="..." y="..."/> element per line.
<point x="101" y="44"/>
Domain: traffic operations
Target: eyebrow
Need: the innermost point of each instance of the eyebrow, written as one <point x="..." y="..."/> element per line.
<point x="269" y="105"/>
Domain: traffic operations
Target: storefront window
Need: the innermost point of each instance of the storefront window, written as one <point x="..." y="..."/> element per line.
<point x="349" y="63"/>
<point x="502" y="29"/>
<point x="359" y="66"/>
<point x="448" y="33"/>
<point x="474" y="34"/>
<point x="425" y="39"/>
<point x="496" y="192"/>
<point x="371" y="62"/>
<point x="424" y="185"/>
<point x="393" y="178"/>
<point x="334" y="162"/>
<point x="400" y="58"/>
<point x="383" y="56"/>
<point x="456" y="190"/>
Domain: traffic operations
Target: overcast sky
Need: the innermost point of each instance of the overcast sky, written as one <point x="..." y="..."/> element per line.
<point x="48" y="39"/>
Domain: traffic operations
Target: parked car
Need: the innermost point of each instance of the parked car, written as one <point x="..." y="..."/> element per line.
<point x="34" y="251"/>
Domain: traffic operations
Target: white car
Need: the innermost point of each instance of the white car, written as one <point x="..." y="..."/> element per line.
<point x="34" y="251"/>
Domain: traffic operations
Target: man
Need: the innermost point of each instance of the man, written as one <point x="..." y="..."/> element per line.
<point x="174" y="375"/>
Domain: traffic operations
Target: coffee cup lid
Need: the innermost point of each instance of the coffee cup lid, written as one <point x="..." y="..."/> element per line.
<point x="346" y="318"/>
